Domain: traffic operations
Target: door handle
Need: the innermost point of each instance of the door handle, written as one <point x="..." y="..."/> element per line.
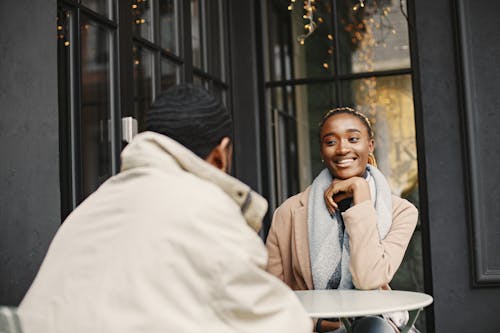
<point x="129" y="128"/>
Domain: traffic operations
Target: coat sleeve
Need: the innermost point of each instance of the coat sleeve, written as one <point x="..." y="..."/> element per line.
<point x="374" y="262"/>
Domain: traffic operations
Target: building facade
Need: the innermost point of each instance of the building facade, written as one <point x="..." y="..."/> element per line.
<point x="77" y="77"/>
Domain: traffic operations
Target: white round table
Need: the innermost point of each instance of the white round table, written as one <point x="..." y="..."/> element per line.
<point x="357" y="303"/>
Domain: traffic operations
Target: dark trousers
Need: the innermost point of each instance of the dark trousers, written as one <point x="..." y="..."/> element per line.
<point x="371" y="324"/>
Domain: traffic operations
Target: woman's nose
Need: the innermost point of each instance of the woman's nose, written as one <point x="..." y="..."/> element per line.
<point x="343" y="146"/>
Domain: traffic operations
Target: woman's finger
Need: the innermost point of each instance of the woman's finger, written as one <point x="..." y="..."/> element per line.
<point x="331" y="205"/>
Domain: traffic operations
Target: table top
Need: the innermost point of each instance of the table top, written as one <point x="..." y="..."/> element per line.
<point x="355" y="303"/>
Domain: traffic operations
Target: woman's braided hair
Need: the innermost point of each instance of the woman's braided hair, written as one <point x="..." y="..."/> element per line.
<point x="347" y="110"/>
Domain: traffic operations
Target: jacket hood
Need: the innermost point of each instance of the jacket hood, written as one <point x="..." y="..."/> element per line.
<point x="153" y="149"/>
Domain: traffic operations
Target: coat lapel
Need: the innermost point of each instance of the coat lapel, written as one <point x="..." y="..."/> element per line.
<point x="302" y="240"/>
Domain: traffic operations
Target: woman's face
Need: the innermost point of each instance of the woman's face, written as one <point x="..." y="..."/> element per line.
<point x="345" y="145"/>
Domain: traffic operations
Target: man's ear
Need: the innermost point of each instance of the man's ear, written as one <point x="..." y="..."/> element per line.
<point x="220" y="157"/>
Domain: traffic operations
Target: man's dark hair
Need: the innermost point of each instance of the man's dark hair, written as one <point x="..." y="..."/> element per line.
<point x="192" y="116"/>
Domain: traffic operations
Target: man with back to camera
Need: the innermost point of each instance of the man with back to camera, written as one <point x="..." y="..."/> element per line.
<point x="167" y="244"/>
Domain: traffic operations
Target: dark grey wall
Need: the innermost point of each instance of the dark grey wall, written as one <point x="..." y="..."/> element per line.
<point x="445" y="80"/>
<point x="29" y="142"/>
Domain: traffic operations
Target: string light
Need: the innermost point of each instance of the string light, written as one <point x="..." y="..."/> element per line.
<point x="138" y="9"/>
<point x="360" y="4"/>
<point x="62" y="27"/>
<point x="310" y="25"/>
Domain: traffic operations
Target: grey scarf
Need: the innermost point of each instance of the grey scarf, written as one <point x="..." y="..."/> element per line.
<point x="328" y="239"/>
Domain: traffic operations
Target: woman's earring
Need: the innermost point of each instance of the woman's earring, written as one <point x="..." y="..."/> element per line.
<point x="322" y="161"/>
<point x="372" y="160"/>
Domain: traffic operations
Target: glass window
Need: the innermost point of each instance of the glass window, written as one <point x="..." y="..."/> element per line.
<point x="169" y="74"/>
<point x="388" y="103"/>
<point x="93" y="97"/>
<point x="315" y="56"/>
<point x="221" y="92"/>
<point x="168" y="25"/>
<point x="95" y="107"/>
<point x="196" y="33"/>
<point x="103" y="7"/>
<point x="143" y="83"/>
<point x="373" y="37"/>
<point x="199" y="81"/>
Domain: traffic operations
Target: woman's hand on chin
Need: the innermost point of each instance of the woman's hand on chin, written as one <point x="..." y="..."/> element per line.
<point x="356" y="188"/>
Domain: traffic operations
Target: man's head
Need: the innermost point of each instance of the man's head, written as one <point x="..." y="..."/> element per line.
<point x="194" y="117"/>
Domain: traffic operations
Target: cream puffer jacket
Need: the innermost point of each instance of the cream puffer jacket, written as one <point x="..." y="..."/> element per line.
<point x="167" y="245"/>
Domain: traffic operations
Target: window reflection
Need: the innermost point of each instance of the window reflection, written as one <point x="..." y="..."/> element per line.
<point x="102" y="7"/>
<point x="388" y="102"/>
<point x="143" y="81"/>
<point x="95" y="111"/>
<point x="284" y="135"/>
<point x="169" y="74"/>
<point x="199" y="81"/>
<point x="373" y="37"/>
<point x="168" y="31"/>
<point x="196" y="34"/>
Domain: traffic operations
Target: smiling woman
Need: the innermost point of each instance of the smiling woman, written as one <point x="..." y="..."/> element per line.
<point x="346" y="230"/>
<point x="346" y="141"/>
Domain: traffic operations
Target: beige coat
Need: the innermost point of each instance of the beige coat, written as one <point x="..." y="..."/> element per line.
<point x="373" y="262"/>
<point x="165" y="246"/>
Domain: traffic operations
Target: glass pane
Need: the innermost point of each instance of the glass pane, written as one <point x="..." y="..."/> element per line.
<point x="143" y="83"/>
<point x="275" y="44"/>
<point x="221" y="93"/>
<point x="168" y="26"/>
<point x="169" y="74"/>
<point x="284" y="128"/>
<point x="102" y="7"/>
<point x="388" y="102"/>
<point x="313" y="58"/>
<point x="142" y="18"/>
<point x="196" y="34"/>
<point x="373" y="37"/>
<point x="95" y="110"/>
<point x="198" y="80"/>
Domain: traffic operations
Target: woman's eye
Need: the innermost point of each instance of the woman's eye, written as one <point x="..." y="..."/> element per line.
<point x="354" y="139"/>
<point x="330" y="142"/>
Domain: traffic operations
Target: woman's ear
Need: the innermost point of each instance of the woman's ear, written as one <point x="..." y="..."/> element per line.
<point x="371" y="146"/>
<point x="221" y="156"/>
